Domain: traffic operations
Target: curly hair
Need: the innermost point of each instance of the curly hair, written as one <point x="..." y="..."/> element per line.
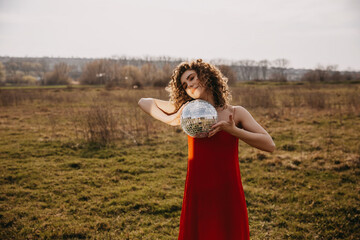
<point x="209" y="76"/>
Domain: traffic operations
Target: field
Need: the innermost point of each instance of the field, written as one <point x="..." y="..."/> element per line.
<point x="87" y="163"/>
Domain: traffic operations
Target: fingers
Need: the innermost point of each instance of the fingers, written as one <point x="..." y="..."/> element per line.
<point x="218" y="124"/>
<point x="215" y="128"/>
<point x="213" y="132"/>
<point x="223" y="123"/>
<point x="215" y="125"/>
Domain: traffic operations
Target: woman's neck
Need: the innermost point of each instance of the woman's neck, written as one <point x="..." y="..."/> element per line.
<point x="209" y="98"/>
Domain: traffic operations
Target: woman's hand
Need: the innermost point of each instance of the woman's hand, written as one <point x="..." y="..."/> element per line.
<point x="228" y="126"/>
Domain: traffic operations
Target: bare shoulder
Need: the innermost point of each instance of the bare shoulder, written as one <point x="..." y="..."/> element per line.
<point x="239" y="112"/>
<point x="235" y="111"/>
<point x="223" y="113"/>
<point x="241" y="115"/>
<point x="245" y="120"/>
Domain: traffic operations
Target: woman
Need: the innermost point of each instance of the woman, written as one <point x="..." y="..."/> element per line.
<point x="214" y="203"/>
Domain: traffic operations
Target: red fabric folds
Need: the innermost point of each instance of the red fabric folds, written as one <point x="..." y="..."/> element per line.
<point x="214" y="204"/>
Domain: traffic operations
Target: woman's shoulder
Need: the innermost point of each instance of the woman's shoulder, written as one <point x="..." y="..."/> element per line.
<point x="236" y="111"/>
<point x="239" y="112"/>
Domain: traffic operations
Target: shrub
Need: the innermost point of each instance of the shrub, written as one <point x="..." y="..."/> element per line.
<point x="100" y="125"/>
<point x="2" y="74"/>
<point x="59" y="76"/>
<point x="29" y="80"/>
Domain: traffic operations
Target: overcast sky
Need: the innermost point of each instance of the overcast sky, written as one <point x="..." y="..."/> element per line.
<point x="306" y="32"/>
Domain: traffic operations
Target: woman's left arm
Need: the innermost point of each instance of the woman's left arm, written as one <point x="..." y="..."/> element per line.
<point x="251" y="132"/>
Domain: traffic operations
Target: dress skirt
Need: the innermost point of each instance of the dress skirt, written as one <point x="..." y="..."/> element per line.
<point x="214" y="204"/>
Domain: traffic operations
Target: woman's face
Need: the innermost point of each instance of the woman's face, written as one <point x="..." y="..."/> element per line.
<point x="192" y="85"/>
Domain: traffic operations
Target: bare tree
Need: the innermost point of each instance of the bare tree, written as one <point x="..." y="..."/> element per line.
<point x="27" y="67"/>
<point x="37" y="70"/>
<point x="148" y="72"/>
<point x="279" y="69"/>
<point x="163" y="75"/>
<point x="229" y="73"/>
<point x="59" y="76"/>
<point x="130" y="76"/>
<point x="96" y="72"/>
<point x="263" y="68"/>
<point x="248" y="70"/>
<point x="12" y="67"/>
<point x="321" y="73"/>
<point x="221" y="61"/>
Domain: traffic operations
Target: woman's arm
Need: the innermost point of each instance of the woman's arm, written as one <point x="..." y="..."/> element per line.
<point x="251" y="133"/>
<point x="161" y="110"/>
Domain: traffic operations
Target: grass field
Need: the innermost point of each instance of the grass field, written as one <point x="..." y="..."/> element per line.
<point x="66" y="176"/>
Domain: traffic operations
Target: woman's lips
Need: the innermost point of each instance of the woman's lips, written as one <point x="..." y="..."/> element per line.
<point x="193" y="90"/>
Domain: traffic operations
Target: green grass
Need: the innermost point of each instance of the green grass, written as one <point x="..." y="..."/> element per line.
<point x="55" y="185"/>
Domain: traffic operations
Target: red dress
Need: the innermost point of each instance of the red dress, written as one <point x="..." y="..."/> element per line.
<point x="214" y="204"/>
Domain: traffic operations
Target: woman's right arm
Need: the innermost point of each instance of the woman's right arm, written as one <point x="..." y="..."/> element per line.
<point x="161" y="110"/>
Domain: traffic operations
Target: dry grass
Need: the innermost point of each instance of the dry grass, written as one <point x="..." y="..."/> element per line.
<point x="58" y="183"/>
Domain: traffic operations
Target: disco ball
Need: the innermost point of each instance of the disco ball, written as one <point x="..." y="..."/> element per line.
<point x="197" y="118"/>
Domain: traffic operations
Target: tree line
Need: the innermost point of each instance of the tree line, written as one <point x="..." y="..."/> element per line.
<point x="149" y="72"/>
<point x="108" y="72"/>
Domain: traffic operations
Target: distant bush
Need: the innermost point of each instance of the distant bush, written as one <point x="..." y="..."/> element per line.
<point x="129" y="75"/>
<point x="15" y="79"/>
<point x="2" y="74"/>
<point x="21" y="79"/>
<point x="97" y="72"/>
<point x="59" y="76"/>
<point x="29" y="80"/>
<point x="111" y="73"/>
<point x="329" y="74"/>
<point x="16" y="69"/>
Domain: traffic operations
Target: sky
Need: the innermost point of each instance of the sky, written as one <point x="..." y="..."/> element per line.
<point x="306" y="32"/>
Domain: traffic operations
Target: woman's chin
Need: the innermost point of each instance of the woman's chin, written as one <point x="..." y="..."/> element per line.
<point x="194" y="96"/>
